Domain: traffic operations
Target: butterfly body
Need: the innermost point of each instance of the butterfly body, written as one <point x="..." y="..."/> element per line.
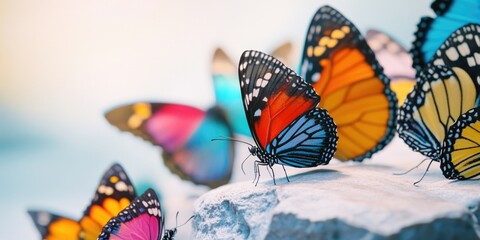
<point x="169" y="234"/>
<point x="282" y="113"/>
<point x="343" y="70"/>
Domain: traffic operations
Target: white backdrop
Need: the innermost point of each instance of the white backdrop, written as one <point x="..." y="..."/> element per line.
<point x="64" y="63"/>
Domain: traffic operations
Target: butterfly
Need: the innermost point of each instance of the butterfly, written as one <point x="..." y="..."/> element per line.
<point x="227" y="93"/>
<point x="282" y="114"/>
<point x="432" y="32"/>
<point x="184" y="133"/>
<point x="447" y="88"/>
<point x="114" y="193"/>
<point x="343" y="70"/>
<point x="395" y="60"/>
<point x="142" y="219"/>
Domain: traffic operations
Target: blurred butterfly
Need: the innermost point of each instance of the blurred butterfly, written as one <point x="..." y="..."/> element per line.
<point x="227" y="93"/>
<point x="344" y="72"/>
<point x="432" y="32"/>
<point x="282" y="114"/>
<point x="142" y="219"/>
<point x="395" y="60"/>
<point x="447" y="88"/>
<point x="114" y="193"/>
<point x="184" y="133"/>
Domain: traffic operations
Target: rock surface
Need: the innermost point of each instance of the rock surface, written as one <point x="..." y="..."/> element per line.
<point x="342" y="201"/>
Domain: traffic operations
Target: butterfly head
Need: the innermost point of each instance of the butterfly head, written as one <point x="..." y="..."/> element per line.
<point x="169" y="234"/>
<point x="253" y="150"/>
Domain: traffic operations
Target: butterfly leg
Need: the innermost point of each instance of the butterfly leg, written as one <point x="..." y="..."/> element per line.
<point x="273" y="172"/>
<point x="255" y="170"/>
<point x="285" y="171"/>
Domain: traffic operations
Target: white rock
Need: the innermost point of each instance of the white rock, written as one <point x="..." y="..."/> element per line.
<point x="342" y="201"/>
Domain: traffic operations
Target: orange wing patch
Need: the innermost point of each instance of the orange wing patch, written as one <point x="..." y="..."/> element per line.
<point x="354" y="97"/>
<point x="277" y="115"/>
<point x="98" y="217"/>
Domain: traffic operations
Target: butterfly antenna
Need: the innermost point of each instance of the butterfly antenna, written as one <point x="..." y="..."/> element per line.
<point x="411" y="169"/>
<point x="425" y="173"/>
<point x="243" y="163"/>
<point x="188" y="220"/>
<point x="231" y="139"/>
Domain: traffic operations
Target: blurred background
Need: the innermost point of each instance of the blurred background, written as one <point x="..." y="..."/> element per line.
<point x="63" y="64"/>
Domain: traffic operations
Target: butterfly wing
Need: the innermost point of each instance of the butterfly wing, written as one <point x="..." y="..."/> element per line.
<point x="395" y="60"/>
<point x="281" y="111"/>
<point x="185" y="135"/>
<point x="142" y="219"/>
<point x="227" y="93"/>
<point x="341" y="67"/>
<point x="461" y="51"/>
<point x="437" y="100"/>
<point x="55" y="227"/>
<point x="226" y="90"/>
<point x="114" y="193"/>
<point x="432" y="32"/>
<point x="460" y="157"/>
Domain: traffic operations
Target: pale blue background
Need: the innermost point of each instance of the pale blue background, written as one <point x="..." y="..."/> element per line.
<point x="64" y="63"/>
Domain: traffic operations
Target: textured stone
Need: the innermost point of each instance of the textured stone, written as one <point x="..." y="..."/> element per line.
<point x="342" y="201"/>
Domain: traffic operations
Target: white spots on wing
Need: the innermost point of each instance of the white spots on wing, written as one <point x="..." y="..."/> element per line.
<point x="267" y="76"/>
<point x="44" y="218"/>
<point x="257" y="113"/>
<point x="145" y="204"/>
<point x="426" y="87"/>
<point x="255" y="92"/>
<point x="471" y="61"/>
<point x="452" y="54"/>
<point x="318" y="28"/>
<point x="315" y="77"/>
<point x="247" y="81"/>
<point x="477" y="40"/>
<point x="438" y="62"/>
<point x="105" y="190"/>
<point x="464" y="49"/>
<point x="259" y="82"/>
<point x="477" y="58"/>
<point x="277" y="70"/>
<point x="265" y="99"/>
<point x="121" y="186"/>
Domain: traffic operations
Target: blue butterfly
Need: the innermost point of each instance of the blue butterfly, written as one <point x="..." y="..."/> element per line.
<point x="432" y="32"/>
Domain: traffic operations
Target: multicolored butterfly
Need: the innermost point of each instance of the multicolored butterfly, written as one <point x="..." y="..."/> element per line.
<point x="184" y="133"/>
<point x="395" y="60"/>
<point x="142" y="219"/>
<point x="447" y="88"/>
<point x="344" y="72"/>
<point x="227" y="93"/>
<point x="114" y="193"/>
<point x="432" y="32"/>
<point x="282" y="114"/>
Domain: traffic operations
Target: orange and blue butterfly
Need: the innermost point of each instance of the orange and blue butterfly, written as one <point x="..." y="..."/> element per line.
<point x="439" y="118"/>
<point x="114" y="193"/>
<point x="432" y="32"/>
<point x="395" y="60"/>
<point x="342" y="69"/>
<point x="227" y="90"/>
<point x="184" y="134"/>
<point x="282" y="114"/>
